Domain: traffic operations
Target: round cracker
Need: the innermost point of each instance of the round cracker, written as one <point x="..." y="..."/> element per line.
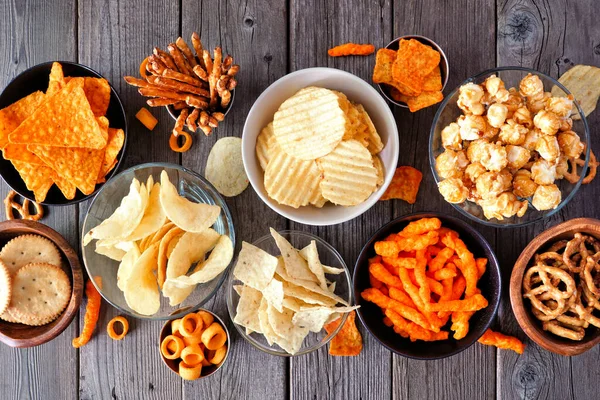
<point x="27" y="249"/>
<point x="224" y="167"/>
<point x="5" y="287"/>
<point x="41" y="292"/>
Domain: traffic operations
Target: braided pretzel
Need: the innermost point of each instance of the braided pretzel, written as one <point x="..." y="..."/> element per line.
<point x="10" y="204"/>
<point x="548" y="291"/>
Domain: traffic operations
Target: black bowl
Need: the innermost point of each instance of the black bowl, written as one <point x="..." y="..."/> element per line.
<point x="490" y="284"/>
<point x="36" y="78"/>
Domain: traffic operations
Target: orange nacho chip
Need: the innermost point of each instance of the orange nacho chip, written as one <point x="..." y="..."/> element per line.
<point x="382" y="73"/>
<point x="37" y="178"/>
<point x="414" y="61"/>
<point x="65" y="119"/>
<point x="57" y="79"/>
<point x="433" y="81"/>
<point x="425" y="99"/>
<point x="405" y="185"/>
<point x="116" y="138"/>
<point x="67" y="188"/>
<point x="97" y="91"/>
<point x="19" y="152"/>
<point x="348" y="341"/>
<point x="12" y="116"/>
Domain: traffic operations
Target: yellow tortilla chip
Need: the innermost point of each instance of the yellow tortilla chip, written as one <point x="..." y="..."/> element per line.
<point x="57" y="79"/>
<point x="67" y="188"/>
<point x="37" y="178"/>
<point x="97" y="91"/>
<point x="12" y="116"/>
<point x="19" y="152"/>
<point x="116" y="138"/>
<point x="65" y="119"/>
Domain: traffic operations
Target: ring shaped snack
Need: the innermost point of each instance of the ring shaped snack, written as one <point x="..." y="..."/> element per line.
<point x="10" y="204"/>
<point x="206" y="317"/>
<point x="167" y="350"/>
<point x="192" y="355"/>
<point x="547" y="290"/>
<point x="110" y="328"/>
<point x="187" y="142"/>
<point x="216" y="356"/>
<point x="214" y="336"/>
<point x="189" y="372"/>
<point x="191" y="325"/>
<point x="175" y="326"/>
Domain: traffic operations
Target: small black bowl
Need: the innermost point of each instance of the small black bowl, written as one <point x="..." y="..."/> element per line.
<point x="34" y="79"/>
<point x="490" y="284"/>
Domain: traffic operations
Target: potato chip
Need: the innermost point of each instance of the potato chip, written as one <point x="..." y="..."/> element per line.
<point x="190" y="249"/>
<point x="273" y="293"/>
<point x="405" y="185"/>
<point x="163" y="249"/>
<point x="349" y="176"/>
<point x="423" y="100"/>
<point x="311" y="123"/>
<point x="12" y="116"/>
<point x="583" y="81"/>
<point x="140" y="289"/>
<point x="348" y="341"/>
<point x="433" y="81"/>
<point x="375" y="144"/>
<point x="246" y="311"/>
<point x="124" y="219"/>
<point x="116" y="139"/>
<point x="37" y="178"/>
<point x="263" y="151"/>
<point x="254" y="267"/>
<point x="291" y="181"/>
<point x="97" y="92"/>
<point x="153" y="219"/>
<point x="311" y="255"/>
<point x="414" y="61"/>
<point x="314" y="318"/>
<point x="65" y="119"/>
<point x="382" y="73"/>
<point x="224" y="167"/>
<point x="126" y="266"/>
<point x="189" y="216"/>
<point x="380" y="171"/>
<point x="57" y="79"/>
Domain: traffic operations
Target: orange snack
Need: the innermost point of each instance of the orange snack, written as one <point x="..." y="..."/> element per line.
<point x="175" y="326"/>
<point x="469" y="268"/>
<point x="501" y="341"/>
<point x="414" y="331"/>
<point x="110" y="328"/>
<point x="416" y="103"/>
<point x="214" y="336"/>
<point x="417" y="242"/>
<point x="444" y="273"/>
<point x="381" y="273"/>
<point x="424" y="289"/>
<point x="413" y="292"/>
<point x="191" y="325"/>
<point x="421" y="226"/>
<point x="473" y="303"/>
<point x="405" y="185"/>
<point x="441" y="259"/>
<point x="414" y="61"/>
<point x="401" y="296"/>
<point x="382" y="73"/>
<point x="143" y="71"/>
<point x="216" y="356"/>
<point x="171" y="347"/>
<point x="351" y="49"/>
<point x="404" y="262"/>
<point x="92" y="312"/>
<point x="146" y="118"/>
<point x="384" y="302"/>
<point x="174" y="144"/>
<point x="348" y="341"/>
<point x="189" y="372"/>
<point x="188" y="341"/>
<point x="192" y="355"/>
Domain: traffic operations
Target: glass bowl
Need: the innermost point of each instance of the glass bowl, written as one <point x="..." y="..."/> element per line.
<point x="189" y="185"/>
<point x="328" y="256"/>
<point x="449" y="112"/>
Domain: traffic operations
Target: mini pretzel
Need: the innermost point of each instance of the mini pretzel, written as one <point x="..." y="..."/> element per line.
<point x="573" y="176"/>
<point x="547" y="289"/>
<point x="575" y="247"/>
<point x="590" y="281"/>
<point x="10" y="204"/>
<point x="573" y="333"/>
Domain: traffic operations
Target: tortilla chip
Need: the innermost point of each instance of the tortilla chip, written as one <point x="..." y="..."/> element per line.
<point x="425" y="99"/>
<point x="67" y="188"/>
<point x="57" y="79"/>
<point x="97" y="92"/>
<point x="348" y="341"/>
<point x="414" y="61"/>
<point x="37" y="178"/>
<point x="433" y="81"/>
<point x="116" y="138"/>
<point x="12" y="116"/>
<point x="405" y="185"/>
<point x="382" y="73"/>
<point x="65" y="119"/>
<point x="19" y="152"/>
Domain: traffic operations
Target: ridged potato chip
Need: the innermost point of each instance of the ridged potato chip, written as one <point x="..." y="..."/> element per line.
<point x="380" y="172"/>
<point x="291" y="181"/>
<point x="311" y="123"/>
<point x="375" y="144"/>
<point x="349" y="176"/>
<point x="263" y="149"/>
<point x="583" y="81"/>
<point x="224" y="167"/>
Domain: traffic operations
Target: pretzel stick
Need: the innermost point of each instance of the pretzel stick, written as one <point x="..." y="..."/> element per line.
<point x="158" y="92"/>
<point x="232" y="84"/>
<point x="219" y="116"/>
<point x="227" y="62"/>
<point x="180" y="121"/>
<point x="180" y="105"/>
<point x="196" y="102"/>
<point x="179" y="60"/>
<point x="200" y="73"/>
<point x="160" y="102"/>
<point x="233" y="70"/>
<point x="191" y="120"/>
<point x="206" y="129"/>
<point x="197" y="44"/>
<point x="203" y="118"/>
<point x="137" y="82"/>
<point x="182" y="45"/>
<point x="180" y="87"/>
<point x="155" y="59"/>
<point x="208" y="62"/>
<point x="178" y="76"/>
<point x="165" y="58"/>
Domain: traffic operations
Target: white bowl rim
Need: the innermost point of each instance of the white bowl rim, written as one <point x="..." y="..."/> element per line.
<point x="393" y="142"/>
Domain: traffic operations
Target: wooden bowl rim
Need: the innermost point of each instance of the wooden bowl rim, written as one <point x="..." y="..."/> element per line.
<point x="65" y="319"/>
<point x="546" y="340"/>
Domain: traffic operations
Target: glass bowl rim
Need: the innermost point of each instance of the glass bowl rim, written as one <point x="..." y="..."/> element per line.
<point x="586" y="134"/>
<point x="228" y="221"/>
<point x="272" y="350"/>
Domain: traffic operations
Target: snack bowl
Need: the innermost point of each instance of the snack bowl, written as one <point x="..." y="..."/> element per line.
<point x="328" y="256"/>
<point x="444" y="68"/>
<point x="357" y="90"/>
<point x="34" y="79"/>
<point x="189" y="185"/>
<point x="173" y="365"/>
<point x="19" y="335"/>
<point x="448" y="112"/>
<point x="522" y="309"/>
<point x="490" y="285"/>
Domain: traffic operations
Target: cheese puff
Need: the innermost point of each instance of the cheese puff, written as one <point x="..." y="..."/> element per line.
<point x="413" y="291"/>
<point x="421" y="226"/>
<point x="451" y="137"/>
<point x="380" y="273"/>
<point x="501" y="341"/>
<point x="384" y="302"/>
<point x="401" y="296"/>
<point x="405" y="262"/>
<point x="414" y="331"/>
<point x="387" y="248"/>
<point x="472" y="303"/>
<point x="453" y="190"/>
<point x="444" y="273"/>
<point x="546" y="197"/>
<point x="481" y="266"/>
<point x="441" y="259"/>
<point x="417" y="242"/>
<point x="468" y="268"/>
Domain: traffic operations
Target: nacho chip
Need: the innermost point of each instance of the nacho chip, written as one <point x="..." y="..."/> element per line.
<point x="273" y="293"/>
<point x="405" y="185"/>
<point x="295" y="266"/>
<point x="425" y="99"/>
<point x="414" y="61"/>
<point x="19" y="152"/>
<point x="116" y="139"/>
<point x="265" y="325"/>
<point x="65" y="119"/>
<point x="314" y="318"/>
<point x="67" y="188"/>
<point x="57" y="79"/>
<point x="433" y="81"/>
<point x="382" y="73"/>
<point x="311" y="254"/>
<point x="348" y="341"/>
<point x="37" y="178"/>
<point x="12" y="116"/>
<point x="97" y="92"/>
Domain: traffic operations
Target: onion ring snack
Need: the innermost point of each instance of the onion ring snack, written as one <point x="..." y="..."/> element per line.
<point x="110" y="328"/>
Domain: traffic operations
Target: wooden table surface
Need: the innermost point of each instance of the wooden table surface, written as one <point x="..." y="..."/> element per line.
<point x="269" y="39"/>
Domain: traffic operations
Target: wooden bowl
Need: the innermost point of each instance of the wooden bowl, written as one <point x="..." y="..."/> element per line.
<point x="525" y="318"/>
<point x="173" y="364"/>
<point x="19" y="335"/>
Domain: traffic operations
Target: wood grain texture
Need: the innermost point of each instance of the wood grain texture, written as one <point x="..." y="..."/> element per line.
<point x="315" y="26"/>
<point x="29" y="38"/>
<point x="255" y="34"/>
<point x="114" y="37"/>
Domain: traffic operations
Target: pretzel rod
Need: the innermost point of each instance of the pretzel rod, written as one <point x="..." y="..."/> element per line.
<point x="178" y="76"/>
<point x="219" y="116"/>
<point x="157" y="92"/>
<point x="203" y="118"/>
<point x="180" y="86"/>
<point x="212" y="122"/>
<point x="232" y="84"/>
<point x="196" y="102"/>
<point x="206" y="129"/>
<point x="180" y="105"/>
<point x="197" y="44"/>
<point x="137" y="82"/>
<point x="165" y="58"/>
<point x="214" y="77"/>
<point x="208" y="62"/>
<point x="233" y="70"/>
<point x="178" y="58"/>
<point x="160" y="102"/>
<point x="183" y="47"/>
<point x="155" y="59"/>
<point x="179" y="123"/>
<point x="200" y="73"/>
<point x="227" y="63"/>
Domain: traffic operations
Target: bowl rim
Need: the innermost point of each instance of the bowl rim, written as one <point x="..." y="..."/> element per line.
<point x="443" y="58"/>
<point x="125" y="128"/>
<point x="273" y="351"/>
<point x="586" y="137"/>
<point x="77" y="285"/>
<point x="187" y="310"/>
<point x="516" y="285"/>
<point x="393" y="142"/>
<point x="229" y="222"/>
<point x="470" y="230"/>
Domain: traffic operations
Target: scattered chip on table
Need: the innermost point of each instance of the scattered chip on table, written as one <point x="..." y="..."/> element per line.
<point x="405" y="185"/>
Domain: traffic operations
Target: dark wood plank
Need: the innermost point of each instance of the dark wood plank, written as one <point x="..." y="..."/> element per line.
<point x="550" y="37"/>
<point x="316" y="26"/>
<point x="472" y="371"/>
<point x="255" y="34"/>
<point x="114" y="37"/>
<point x="35" y="32"/>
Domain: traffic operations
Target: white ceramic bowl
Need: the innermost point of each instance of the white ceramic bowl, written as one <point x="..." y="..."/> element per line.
<point x="357" y="90"/>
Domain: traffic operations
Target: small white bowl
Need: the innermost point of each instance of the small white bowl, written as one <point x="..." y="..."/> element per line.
<point x="357" y="90"/>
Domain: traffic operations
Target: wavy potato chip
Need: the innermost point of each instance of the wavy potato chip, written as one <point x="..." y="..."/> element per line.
<point x="254" y="267"/>
<point x="140" y="288"/>
<point x="154" y="216"/>
<point x="583" y="81"/>
<point x="263" y="148"/>
<point x="189" y="216"/>
<point x="224" y="167"/>
<point x="12" y="116"/>
<point x="380" y="172"/>
<point x="375" y="145"/>
<point x="190" y="249"/>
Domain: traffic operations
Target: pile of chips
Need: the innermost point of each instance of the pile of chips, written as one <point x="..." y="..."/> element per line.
<point x="320" y="147"/>
<point x="62" y="137"/>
